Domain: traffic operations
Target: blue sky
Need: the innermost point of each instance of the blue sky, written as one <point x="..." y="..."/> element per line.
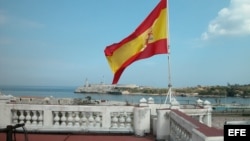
<point x="61" y="42"/>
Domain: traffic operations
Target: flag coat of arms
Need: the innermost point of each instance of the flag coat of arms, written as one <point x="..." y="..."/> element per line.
<point x="150" y="38"/>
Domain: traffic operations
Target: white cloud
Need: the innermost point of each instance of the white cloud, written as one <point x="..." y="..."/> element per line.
<point x="233" y="20"/>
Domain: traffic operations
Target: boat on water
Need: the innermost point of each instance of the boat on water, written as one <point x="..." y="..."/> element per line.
<point x="98" y="88"/>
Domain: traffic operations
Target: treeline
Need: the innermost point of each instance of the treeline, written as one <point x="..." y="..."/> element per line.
<point x="144" y="90"/>
<point x="229" y="90"/>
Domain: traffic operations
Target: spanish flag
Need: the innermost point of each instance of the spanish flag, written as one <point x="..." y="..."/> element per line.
<point x="150" y="38"/>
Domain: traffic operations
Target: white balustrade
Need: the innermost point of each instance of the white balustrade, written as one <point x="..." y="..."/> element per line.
<point x="182" y="127"/>
<point x="77" y="119"/>
<point x="29" y="117"/>
<point x="69" y="118"/>
<point x="108" y="119"/>
<point x="178" y="133"/>
<point x="121" y="119"/>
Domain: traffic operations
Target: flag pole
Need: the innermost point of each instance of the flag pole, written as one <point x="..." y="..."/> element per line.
<point x="169" y="93"/>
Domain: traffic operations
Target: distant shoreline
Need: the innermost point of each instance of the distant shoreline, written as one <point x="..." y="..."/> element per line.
<point x="201" y="96"/>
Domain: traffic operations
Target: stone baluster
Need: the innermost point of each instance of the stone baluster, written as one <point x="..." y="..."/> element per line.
<point x="34" y="117"/>
<point x="186" y="137"/>
<point x="14" y="116"/>
<point x="91" y="120"/>
<point x="178" y="133"/>
<point x="21" y="117"/>
<point x="56" y="118"/>
<point x="63" y="118"/>
<point x="114" y="120"/>
<point x="77" y="119"/>
<point x="128" y="120"/>
<point x="28" y="117"/>
<point x="84" y="119"/>
<point x="173" y="130"/>
<point x="98" y="119"/>
<point x="181" y="134"/>
<point x="40" y="118"/>
<point x="70" y="119"/>
<point x="121" y="120"/>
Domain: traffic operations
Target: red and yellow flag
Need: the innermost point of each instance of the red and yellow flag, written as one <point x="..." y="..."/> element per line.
<point x="150" y="38"/>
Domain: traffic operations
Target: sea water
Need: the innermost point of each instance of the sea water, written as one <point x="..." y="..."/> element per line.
<point x="68" y="92"/>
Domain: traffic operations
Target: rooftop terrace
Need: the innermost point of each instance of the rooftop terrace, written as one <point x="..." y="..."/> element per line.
<point x="63" y="121"/>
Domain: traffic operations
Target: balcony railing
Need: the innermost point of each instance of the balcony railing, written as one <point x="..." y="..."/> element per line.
<point x="70" y="118"/>
<point x="176" y="125"/>
<point x="168" y="122"/>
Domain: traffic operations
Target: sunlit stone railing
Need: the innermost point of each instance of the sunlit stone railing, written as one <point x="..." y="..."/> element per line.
<point x="186" y="125"/>
<point x="169" y="122"/>
<point x="74" y="117"/>
<point x="77" y="118"/>
<point x="29" y="117"/>
<point x="121" y="119"/>
<point x="178" y="133"/>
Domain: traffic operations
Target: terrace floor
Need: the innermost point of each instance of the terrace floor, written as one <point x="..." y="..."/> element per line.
<point x="79" y="137"/>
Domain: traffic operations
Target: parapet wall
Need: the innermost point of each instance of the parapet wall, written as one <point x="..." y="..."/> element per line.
<point x="175" y="125"/>
<point x="166" y="121"/>
<point x="74" y="118"/>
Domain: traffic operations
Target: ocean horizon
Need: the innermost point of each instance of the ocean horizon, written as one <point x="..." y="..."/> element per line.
<point x="68" y="92"/>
